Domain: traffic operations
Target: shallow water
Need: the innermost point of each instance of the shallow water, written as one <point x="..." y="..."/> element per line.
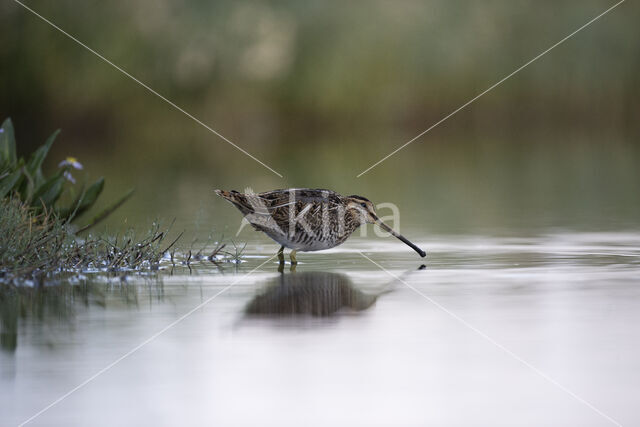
<point x="494" y="331"/>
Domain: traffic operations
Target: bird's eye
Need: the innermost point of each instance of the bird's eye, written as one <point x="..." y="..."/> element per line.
<point x="364" y="205"/>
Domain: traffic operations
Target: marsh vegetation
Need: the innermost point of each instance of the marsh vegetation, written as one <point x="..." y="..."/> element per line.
<point x="41" y="242"/>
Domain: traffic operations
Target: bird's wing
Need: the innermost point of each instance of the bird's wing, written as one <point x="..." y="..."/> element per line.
<point x="298" y="196"/>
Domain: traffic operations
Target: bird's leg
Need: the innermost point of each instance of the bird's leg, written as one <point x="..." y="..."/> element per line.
<point x="293" y="257"/>
<point x="281" y="255"/>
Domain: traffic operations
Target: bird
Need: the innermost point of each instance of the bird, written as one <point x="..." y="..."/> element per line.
<point x="306" y="219"/>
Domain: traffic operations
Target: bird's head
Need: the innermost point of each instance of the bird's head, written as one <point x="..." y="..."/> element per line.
<point x="363" y="208"/>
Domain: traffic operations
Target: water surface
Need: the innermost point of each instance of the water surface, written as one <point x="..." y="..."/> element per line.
<point x="476" y="338"/>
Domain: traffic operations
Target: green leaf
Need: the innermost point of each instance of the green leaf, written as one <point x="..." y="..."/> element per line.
<point x="70" y="212"/>
<point x="28" y="187"/>
<point x="84" y="201"/>
<point x="49" y="192"/>
<point x="10" y="182"/>
<point x="7" y="144"/>
<point x="107" y="211"/>
<point x="35" y="162"/>
<point x="91" y="195"/>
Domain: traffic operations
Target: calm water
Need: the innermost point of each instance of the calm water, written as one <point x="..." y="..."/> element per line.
<point x="342" y="342"/>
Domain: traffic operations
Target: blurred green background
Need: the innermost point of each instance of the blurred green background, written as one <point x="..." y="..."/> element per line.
<point x="319" y="91"/>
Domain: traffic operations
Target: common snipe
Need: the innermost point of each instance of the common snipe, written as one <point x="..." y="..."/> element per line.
<point x="304" y="219"/>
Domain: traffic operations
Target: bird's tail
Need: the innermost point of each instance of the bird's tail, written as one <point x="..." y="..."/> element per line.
<point x="233" y="196"/>
<point x="237" y="199"/>
<point x="226" y="194"/>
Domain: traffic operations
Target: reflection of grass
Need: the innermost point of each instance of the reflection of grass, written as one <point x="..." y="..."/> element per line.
<point x="60" y="303"/>
<point x="44" y="266"/>
<point x="50" y="302"/>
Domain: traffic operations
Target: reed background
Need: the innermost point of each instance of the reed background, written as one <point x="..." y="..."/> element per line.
<point x="321" y="90"/>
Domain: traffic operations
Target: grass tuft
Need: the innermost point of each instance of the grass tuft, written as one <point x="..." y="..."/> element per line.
<point x="37" y="247"/>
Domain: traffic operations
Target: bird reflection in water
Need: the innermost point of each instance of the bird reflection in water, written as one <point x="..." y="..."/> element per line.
<point x="310" y="293"/>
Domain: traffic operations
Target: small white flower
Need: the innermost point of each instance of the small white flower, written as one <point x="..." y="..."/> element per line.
<point x="69" y="177"/>
<point x="71" y="161"/>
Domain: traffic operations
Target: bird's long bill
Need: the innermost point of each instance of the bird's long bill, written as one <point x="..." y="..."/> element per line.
<point x="401" y="237"/>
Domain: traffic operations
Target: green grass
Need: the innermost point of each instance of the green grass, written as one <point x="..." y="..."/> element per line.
<point x="24" y="179"/>
<point x="39" y="247"/>
<point x="39" y="244"/>
<point x="47" y="271"/>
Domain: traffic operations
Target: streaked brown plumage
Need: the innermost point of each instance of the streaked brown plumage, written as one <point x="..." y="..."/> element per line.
<point x="305" y="219"/>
